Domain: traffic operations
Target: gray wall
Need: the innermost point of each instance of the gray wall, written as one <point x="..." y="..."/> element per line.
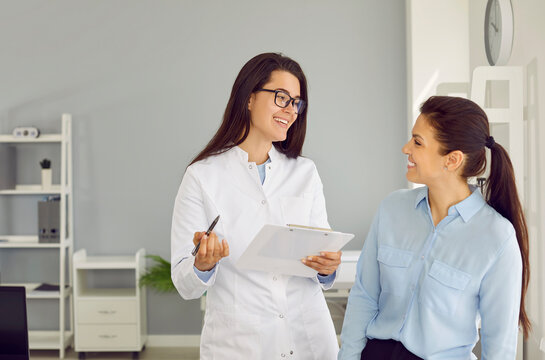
<point x="147" y="83"/>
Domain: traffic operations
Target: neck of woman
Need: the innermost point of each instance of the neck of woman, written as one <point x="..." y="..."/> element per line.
<point x="444" y="195"/>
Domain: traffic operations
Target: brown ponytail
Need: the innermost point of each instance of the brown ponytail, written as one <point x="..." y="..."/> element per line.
<point x="501" y="194"/>
<point x="460" y="124"/>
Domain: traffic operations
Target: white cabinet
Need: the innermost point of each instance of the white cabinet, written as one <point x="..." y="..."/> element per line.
<point x="12" y="192"/>
<point x="109" y="317"/>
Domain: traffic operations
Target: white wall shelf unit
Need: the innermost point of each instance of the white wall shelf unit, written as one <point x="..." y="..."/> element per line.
<point x="109" y="318"/>
<point x="61" y="338"/>
<point x="33" y="190"/>
<point x="45" y="138"/>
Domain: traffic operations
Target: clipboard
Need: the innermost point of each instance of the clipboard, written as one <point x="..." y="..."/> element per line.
<point x="279" y="249"/>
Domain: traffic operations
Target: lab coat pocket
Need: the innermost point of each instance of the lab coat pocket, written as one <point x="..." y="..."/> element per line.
<point x="231" y="335"/>
<point x="393" y="265"/>
<point x="443" y="287"/>
<point x="320" y="332"/>
<point x="296" y="210"/>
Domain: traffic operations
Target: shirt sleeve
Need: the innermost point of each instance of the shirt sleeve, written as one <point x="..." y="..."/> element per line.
<point x="327" y="280"/>
<point x="318" y="218"/>
<point x="188" y="217"/>
<point x="318" y="215"/>
<point x="362" y="304"/>
<point x="204" y="275"/>
<point x="499" y="304"/>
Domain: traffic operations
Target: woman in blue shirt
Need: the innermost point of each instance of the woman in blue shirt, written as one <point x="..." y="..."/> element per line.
<point x="440" y="257"/>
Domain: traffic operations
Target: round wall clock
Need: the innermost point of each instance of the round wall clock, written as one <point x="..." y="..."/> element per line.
<point x="498" y="31"/>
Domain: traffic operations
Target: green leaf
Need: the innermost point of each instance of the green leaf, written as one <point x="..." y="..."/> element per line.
<point x="158" y="275"/>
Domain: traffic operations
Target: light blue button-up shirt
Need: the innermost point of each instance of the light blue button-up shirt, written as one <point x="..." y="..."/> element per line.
<point x="426" y="285"/>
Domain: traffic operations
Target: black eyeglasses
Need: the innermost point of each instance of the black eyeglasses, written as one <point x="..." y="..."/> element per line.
<point x="283" y="99"/>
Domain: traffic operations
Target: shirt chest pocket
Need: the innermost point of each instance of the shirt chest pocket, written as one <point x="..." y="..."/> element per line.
<point x="393" y="264"/>
<point x="443" y="288"/>
<point x="296" y="210"/>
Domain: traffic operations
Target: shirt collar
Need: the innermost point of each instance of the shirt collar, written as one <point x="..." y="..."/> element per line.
<point x="470" y="205"/>
<point x="466" y="208"/>
<point x="421" y="195"/>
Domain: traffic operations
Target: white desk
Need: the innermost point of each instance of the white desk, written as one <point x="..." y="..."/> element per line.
<point x="346" y="276"/>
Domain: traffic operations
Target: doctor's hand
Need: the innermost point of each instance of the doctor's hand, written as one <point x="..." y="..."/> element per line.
<point x="210" y="250"/>
<point x="325" y="264"/>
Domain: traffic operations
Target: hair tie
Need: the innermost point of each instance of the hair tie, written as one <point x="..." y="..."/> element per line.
<point x="489" y="142"/>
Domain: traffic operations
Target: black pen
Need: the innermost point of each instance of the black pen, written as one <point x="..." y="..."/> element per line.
<point x="196" y="249"/>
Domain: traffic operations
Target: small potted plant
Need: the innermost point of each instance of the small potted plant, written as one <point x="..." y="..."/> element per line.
<point x="157" y="276"/>
<point x="46" y="173"/>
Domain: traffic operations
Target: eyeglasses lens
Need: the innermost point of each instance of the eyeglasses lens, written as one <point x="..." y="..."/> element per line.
<point x="283" y="100"/>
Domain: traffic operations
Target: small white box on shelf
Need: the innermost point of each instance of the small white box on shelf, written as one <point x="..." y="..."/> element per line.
<point x="46" y="179"/>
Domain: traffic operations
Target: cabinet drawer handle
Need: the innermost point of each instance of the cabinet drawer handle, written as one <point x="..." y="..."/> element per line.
<point x="105" y="336"/>
<point x="107" y="312"/>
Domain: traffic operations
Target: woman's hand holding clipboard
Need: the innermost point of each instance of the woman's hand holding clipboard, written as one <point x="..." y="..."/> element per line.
<point x="279" y="249"/>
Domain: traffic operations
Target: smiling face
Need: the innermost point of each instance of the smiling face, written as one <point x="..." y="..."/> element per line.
<point x="269" y="122"/>
<point x="426" y="164"/>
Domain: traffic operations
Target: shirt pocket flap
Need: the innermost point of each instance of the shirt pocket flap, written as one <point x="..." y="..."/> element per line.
<point x="394" y="257"/>
<point x="449" y="276"/>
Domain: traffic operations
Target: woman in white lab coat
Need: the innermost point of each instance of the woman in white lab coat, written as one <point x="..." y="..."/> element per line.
<point x="251" y="173"/>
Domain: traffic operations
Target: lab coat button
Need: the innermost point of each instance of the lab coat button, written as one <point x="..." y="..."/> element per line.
<point x="281" y="316"/>
<point x="291" y="352"/>
<point x="275" y="278"/>
<point x="250" y="166"/>
<point x="283" y="355"/>
<point x="263" y="202"/>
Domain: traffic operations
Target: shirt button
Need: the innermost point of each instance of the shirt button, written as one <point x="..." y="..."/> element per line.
<point x="422" y="258"/>
<point x="281" y="316"/>
<point x="250" y="166"/>
<point x="263" y="202"/>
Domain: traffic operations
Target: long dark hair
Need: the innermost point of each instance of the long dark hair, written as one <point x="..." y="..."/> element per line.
<point x="460" y="124"/>
<point x="235" y="126"/>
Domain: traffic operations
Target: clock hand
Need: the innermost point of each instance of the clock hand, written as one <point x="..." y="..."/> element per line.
<point x="494" y="26"/>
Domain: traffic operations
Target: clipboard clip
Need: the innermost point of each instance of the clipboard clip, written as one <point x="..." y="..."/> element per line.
<point x="307" y="227"/>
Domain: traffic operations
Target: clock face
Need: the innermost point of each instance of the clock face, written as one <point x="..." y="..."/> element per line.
<point x="493" y="31"/>
<point x="498" y="31"/>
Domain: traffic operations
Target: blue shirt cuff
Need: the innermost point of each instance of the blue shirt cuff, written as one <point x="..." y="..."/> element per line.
<point x="204" y="275"/>
<point x="326" y="279"/>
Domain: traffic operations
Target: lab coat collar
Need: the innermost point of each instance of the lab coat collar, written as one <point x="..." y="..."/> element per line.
<point x="466" y="208"/>
<point x="239" y="153"/>
<point x="274" y="154"/>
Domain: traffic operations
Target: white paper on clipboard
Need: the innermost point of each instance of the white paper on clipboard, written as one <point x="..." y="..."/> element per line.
<point x="279" y="249"/>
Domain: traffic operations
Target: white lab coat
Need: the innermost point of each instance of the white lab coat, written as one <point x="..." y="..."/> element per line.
<point x="252" y="314"/>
